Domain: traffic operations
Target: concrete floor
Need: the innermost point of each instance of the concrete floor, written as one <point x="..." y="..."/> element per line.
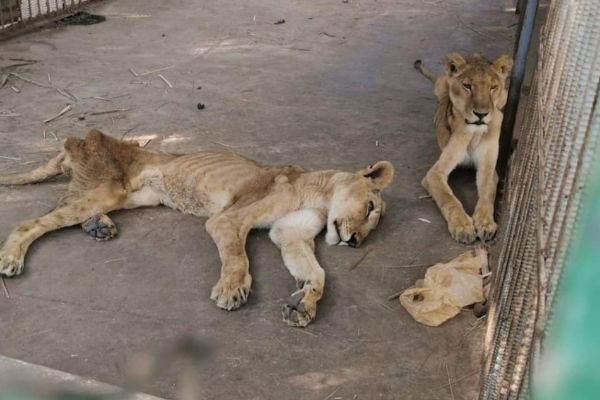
<point x="332" y="87"/>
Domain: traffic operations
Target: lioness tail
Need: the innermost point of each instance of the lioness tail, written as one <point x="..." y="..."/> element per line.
<point x="423" y="69"/>
<point x="41" y="173"/>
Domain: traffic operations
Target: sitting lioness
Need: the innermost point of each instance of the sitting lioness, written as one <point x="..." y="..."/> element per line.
<point x="471" y="95"/>
<point x="235" y="193"/>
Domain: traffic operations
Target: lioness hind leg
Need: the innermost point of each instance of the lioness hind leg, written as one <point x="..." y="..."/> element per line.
<point x="100" y="227"/>
<point x="233" y="288"/>
<point x="100" y="200"/>
<point x="294" y="235"/>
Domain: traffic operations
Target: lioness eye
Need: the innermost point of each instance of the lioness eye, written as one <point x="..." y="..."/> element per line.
<point x="494" y="87"/>
<point x="370" y="208"/>
<point x="467" y="86"/>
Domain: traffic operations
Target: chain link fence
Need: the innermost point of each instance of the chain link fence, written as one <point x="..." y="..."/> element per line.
<point x="558" y="146"/>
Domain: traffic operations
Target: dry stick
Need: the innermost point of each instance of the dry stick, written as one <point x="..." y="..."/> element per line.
<point x="357" y="263"/>
<point x="54" y="134"/>
<point x="165" y="81"/>
<point x="9" y="115"/>
<point x="60" y="114"/>
<point x="133" y="72"/>
<point x="395" y="295"/>
<point x="109" y="111"/>
<point x="110" y="98"/>
<point x="332" y="393"/>
<point x="61" y="91"/>
<point x="427" y="196"/>
<point x="114" y="260"/>
<point x="19" y="64"/>
<point x="30" y="81"/>
<point x="462" y="378"/>
<point x="156" y="70"/>
<point x="129" y="130"/>
<point x="101" y="98"/>
<point x="409" y="266"/>
<point x="449" y="381"/>
<point x="15" y="89"/>
<point x="5" y="289"/>
<point x="28" y="60"/>
<point x="11" y="158"/>
<point x="120" y="95"/>
<point x="66" y="92"/>
<point x="222" y="144"/>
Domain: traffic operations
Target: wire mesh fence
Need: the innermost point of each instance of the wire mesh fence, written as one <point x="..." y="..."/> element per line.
<point x="558" y="145"/>
<point x="18" y="14"/>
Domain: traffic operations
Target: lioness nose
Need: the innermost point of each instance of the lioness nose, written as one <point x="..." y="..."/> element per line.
<point x="352" y="242"/>
<point x="480" y="115"/>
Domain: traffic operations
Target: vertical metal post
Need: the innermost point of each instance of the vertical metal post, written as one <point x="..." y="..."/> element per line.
<point x="1" y="17"/>
<point x="516" y="80"/>
<point x="11" y="21"/>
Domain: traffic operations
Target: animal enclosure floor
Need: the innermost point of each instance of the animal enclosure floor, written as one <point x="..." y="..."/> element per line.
<point x="332" y="87"/>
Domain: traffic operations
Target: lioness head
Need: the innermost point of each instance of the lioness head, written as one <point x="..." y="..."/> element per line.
<point x="356" y="204"/>
<point x="476" y="87"/>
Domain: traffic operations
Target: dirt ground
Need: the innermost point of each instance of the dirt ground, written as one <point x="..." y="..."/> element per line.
<point x="332" y="87"/>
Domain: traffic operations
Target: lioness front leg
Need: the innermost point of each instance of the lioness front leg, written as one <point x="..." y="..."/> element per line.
<point x="294" y="235"/>
<point x="435" y="182"/>
<point x="229" y="231"/>
<point x="483" y="217"/>
<point x="97" y="201"/>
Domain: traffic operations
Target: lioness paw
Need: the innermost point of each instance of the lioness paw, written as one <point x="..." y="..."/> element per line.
<point x="298" y="311"/>
<point x="485" y="226"/>
<point x="461" y="228"/>
<point x="11" y="265"/>
<point x="231" y="292"/>
<point x="100" y="227"/>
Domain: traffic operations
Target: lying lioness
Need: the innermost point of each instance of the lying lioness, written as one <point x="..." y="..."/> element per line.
<point x="235" y="193"/>
<point x="471" y="95"/>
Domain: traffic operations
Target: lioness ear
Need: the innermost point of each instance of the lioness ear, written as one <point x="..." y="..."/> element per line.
<point x="454" y="63"/>
<point x="503" y="65"/>
<point x="380" y="174"/>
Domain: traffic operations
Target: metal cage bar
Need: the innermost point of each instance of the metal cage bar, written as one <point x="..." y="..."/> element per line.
<point x="15" y="15"/>
<point x="547" y="179"/>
